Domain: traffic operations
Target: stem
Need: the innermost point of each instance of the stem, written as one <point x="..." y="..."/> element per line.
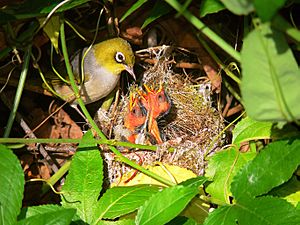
<point x="76" y="141"/>
<point x="218" y="61"/>
<point x="18" y="92"/>
<point x="205" y="30"/>
<point x="92" y="122"/>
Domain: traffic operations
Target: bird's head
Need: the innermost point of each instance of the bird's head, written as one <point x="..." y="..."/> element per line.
<point x="115" y="55"/>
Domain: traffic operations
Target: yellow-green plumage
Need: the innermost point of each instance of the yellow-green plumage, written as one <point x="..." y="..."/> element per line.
<point x="103" y="65"/>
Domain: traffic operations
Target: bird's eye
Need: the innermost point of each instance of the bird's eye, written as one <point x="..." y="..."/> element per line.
<point x="119" y="57"/>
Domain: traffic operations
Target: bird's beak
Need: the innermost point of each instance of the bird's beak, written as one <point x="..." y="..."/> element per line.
<point x="130" y="71"/>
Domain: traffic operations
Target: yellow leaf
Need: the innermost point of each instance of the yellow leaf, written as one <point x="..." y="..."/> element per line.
<point x="175" y="174"/>
<point x="52" y="30"/>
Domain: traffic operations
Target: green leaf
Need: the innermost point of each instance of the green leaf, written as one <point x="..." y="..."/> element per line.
<point x="119" y="201"/>
<point x="222" y="167"/>
<point x="59" y="217"/>
<point x="260" y="211"/>
<point x="12" y="186"/>
<point x="118" y="222"/>
<point x="239" y="7"/>
<point x="270" y="76"/>
<point x="194" y="182"/>
<point x="289" y="191"/>
<point x="165" y="205"/>
<point x="273" y="166"/>
<point x="84" y="181"/>
<point x="35" y="8"/>
<point x="133" y="8"/>
<point x="263" y="9"/>
<point x="37" y="210"/>
<point x="52" y="30"/>
<point x="210" y="6"/>
<point x="160" y="9"/>
<point x="181" y="220"/>
<point x="248" y="129"/>
<point x="196" y="210"/>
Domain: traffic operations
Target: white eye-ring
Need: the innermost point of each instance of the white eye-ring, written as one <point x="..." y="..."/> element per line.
<point x="119" y="57"/>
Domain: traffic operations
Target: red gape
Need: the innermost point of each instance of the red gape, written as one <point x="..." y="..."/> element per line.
<point x="135" y="117"/>
<point x="157" y="104"/>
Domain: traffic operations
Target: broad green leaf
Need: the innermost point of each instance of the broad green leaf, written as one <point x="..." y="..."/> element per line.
<point x="165" y="205"/>
<point x="273" y="166"/>
<point x="119" y="201"/>
<point x="118" y="222"/>
<point x="181" y="220"/>
<point x="222" y="167"/>
<point x="263" y="9"/>
<point x="59" y="217"/>
<point x="289" y="191"/>
<point x="160" y="9"/>
<point x="34" y="8"/>
<point x="239" y="7"/>
<point x="270" y="76"/>
<point x="84" y="181"/>
<point x="37" y="210"/>
<point x="194" y="182"/>
<point x="210" y="6"/>
<point x="248" y="129"/>
<point x="52" y="30"/>
<point x="197" y="209"/>
<point x="133" y="8"/>
<point x="260" y="211"/>
<point x="12" y="186"/>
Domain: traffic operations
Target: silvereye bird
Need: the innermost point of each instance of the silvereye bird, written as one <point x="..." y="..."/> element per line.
<point x="103" y="65"/>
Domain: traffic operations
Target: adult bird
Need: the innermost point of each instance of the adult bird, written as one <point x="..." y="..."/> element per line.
<point x="102" y="67"/>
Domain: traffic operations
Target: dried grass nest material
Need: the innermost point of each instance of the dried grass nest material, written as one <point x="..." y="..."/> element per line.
<point x="192" y="127"/>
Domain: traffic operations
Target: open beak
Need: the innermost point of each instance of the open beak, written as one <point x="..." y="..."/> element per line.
<point x="130" y="71"/>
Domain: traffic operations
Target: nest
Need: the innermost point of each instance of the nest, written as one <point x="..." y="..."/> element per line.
<point x="192" y="128"/>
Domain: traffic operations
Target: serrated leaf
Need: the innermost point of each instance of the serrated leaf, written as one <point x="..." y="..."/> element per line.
<point x="270" y="88"/>
<point x="263" y="9"/>
<point x="273" y="166"/>
<point x="260" y="211"/>
<point x="118" y="222"/>
<point x="61" y="216"/>
<point x="197" y="209"/>
<point x="160" y="9"/>
<point x="84" y="181"/>
<point x="181" y="220"/>
<point x="119" y="201"/>
<point x="289" y="191"/>
<point x="133" y="8"/>
<point x="239" y="7"/>
<point x="165" y="205"/>
<point x="52" y="30"/>
<point x="210" y="6"/>
<point x="194" y="182"/>
<point x="37" y="210"/>
<point x="12" y="186"/>
<point x="248" y="129"/>
<point x="222" y="167"/>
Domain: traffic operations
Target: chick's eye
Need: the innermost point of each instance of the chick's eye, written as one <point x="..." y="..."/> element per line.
<point x="119" y="57"/>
